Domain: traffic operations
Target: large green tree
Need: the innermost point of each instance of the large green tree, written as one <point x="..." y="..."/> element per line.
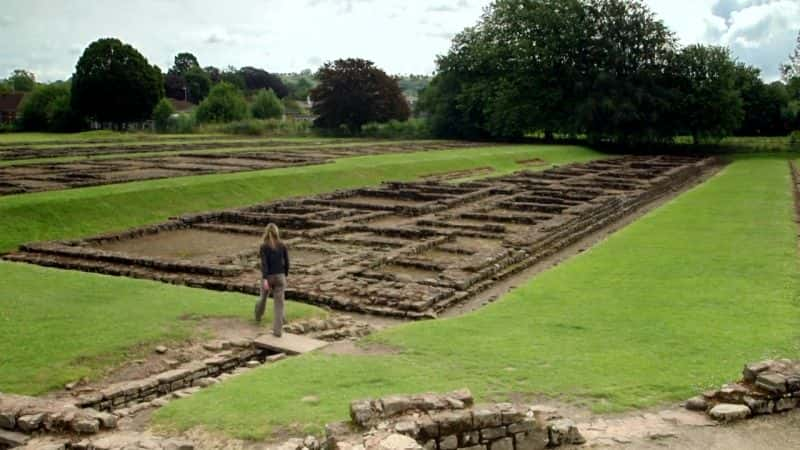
<point x="569" y="66"/>
<point x="114" y="83"/>
<point x="225" y="103"/>
<point x="710" y="102"/>
<point x="767" y="109"/>
<point x="353" y="92"/>
<point x="48" y="108"/>
<point x="186" y="80"/>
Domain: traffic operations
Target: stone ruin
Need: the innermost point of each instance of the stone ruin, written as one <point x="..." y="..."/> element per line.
<point x="46" y="176"/>
<point x="448" y="422"/>
<point x="408" y="250"/>
<point x="766" y="387"/>
<point x="92" y="411"/>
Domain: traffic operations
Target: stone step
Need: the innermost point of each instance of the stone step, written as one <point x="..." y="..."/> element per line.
<point x="291" y="344"/>
<point x="13" y="439"/>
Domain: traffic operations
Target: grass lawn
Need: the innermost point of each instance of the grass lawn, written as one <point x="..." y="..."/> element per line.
<point x="674" y="303"/>
<point x="80" y="212"/>
<point x="58" y="326"/>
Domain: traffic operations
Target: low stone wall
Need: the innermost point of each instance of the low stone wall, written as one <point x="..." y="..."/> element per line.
<point x="766" y="387"/>
<point x="193" y="374"/>
<point x="22" y="414"/>
<point x="452" y="421"/>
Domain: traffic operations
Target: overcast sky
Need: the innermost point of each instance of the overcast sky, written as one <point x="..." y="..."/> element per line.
<point x="401" y="36"/>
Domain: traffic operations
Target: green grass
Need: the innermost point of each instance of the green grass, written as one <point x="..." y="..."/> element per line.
<point x="80" y="212"/>
<point x="674" y="303"/>
<point x="58" y="326"/>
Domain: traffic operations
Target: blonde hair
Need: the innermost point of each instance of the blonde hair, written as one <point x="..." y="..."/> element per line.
<point x="272" y="236"/>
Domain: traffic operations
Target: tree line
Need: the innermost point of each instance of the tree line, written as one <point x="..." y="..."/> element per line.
<point x="114" y="84"/>
<point x="604" y="70"/>
<point x="608" y="70"/>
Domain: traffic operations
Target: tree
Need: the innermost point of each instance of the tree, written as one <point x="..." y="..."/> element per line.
<point x="266" y="105"/>
<point x="114" y="83"/>
<point x="175" y="86"/>
<point x="198" y="84"/>
<point x="232" y="76"/>
<point x="225" y="103"/>
<point x="300" y="89"/>
<point x="161" y="114"/>
<point x="186" y="80"/>
<point x="183" y="62"/>
<point x="711" y="105"/>
<point x="792" y="67"/>
<point x="214" y="74"/>
<point x="766" y="106"/>
<point x="353" y="92"/>
<point x="257" y="79"/>
<point x="48" y="108"/>
<point x="22" y="81"/>
<point x="568" y="66"/>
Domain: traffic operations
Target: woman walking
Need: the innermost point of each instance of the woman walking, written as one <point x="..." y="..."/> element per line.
<point x="274" y="270"/>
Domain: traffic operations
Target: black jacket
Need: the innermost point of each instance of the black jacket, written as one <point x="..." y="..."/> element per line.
<point x="274" y="261"/>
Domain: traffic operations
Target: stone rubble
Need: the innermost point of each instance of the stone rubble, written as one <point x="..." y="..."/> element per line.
<point x="766" y="387"/>
<point x="116" y="441"/>
<point x="336" y="328"/>
<point x="24" y="414"/>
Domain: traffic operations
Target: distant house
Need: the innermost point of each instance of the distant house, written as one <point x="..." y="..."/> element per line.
<point x="9" y="107"/>
<point x="181" y="105"/>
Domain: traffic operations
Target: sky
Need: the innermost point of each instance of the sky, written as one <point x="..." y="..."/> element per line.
<point x="400" y="36"/>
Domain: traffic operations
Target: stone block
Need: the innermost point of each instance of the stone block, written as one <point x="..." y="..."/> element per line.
<point x="407" y="428"/>
<point x="30" y="423"/>
<point x="448" y="443"/>
<point x="453" y="422"/>
<point x="785" y="404"/>
<point x="469" y="438"/>
<point x="463" y="395"/>
<point x="564" y="432"/>
<point x="534" y="440"/>
<point x="502" y="444"/>
<point x="793" y="384"/>
<point x="361" y="412"/>
<point x="697" y="403"/>
<point x="774" y="383"/>
<point x="511" y="414"/>
<point x="13" y="439"/>
<point x="107" y="421"/>
<point x="86" y="425"/>
<point x="486" y="418"/>
<point x="395" y="404"/>
<point x="396" y="442"/>
<point x="523" y="426"/>
<point x="490" y="434"/>
<point x="752" y="370"/>
<point x="428" y="428"/>
<point x="726" y="412"/>
<point x="759" y="405"/>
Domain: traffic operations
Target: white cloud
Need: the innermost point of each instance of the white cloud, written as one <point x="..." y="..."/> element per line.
<point x="401" y="36"/>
